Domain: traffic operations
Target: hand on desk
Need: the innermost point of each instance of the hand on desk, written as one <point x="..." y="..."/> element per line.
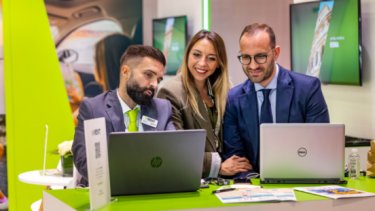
<point x="234" y="165"/>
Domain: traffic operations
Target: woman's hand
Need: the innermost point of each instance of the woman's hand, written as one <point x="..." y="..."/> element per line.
<point x="234" y="165"/>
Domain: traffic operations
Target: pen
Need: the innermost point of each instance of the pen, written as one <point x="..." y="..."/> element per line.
<point x="223" y="190"/>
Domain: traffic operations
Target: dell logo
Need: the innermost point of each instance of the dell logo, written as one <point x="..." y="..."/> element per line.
<point x="302" y="152"/>
<point x="156" y="162"/>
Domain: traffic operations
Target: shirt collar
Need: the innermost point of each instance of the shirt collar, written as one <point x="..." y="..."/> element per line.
<point x="272" y="84"/>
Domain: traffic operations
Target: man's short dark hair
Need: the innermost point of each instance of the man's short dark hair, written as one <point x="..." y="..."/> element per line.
<point x="141" y="51"/>
<point x="255" y="27"/>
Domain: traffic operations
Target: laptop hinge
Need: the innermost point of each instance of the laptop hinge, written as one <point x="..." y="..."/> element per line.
<point x="303" y="181"/>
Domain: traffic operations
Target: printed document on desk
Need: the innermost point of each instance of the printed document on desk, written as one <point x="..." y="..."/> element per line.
<point x="334" y="191"/>
<point x="256" y="194"/>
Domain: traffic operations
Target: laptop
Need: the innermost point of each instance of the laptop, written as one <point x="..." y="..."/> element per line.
<point x="302" y="153"/>
<point x="155" y="161"/>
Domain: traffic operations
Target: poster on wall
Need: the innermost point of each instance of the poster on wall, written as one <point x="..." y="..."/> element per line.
<point x="90" y="37"/>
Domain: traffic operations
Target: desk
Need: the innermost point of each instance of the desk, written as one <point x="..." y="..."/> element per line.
<point x="35" y="178"/>
<point x="78" y="199"/>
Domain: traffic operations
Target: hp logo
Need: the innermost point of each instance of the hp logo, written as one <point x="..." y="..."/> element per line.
<point x="156" y="162"/>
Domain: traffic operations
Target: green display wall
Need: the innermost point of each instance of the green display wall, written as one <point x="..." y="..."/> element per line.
<point x="34" y="95"/>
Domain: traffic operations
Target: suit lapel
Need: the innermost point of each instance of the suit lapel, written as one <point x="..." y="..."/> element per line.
<point x="249" y="110"/>
<point x="284" y="96"/>
<point x="114" y="111"/>
<point x="204" y="123"/>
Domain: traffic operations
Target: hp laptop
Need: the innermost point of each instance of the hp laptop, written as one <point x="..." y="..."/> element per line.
<point x="155" y="161"/>
<point x="302" y="153"/>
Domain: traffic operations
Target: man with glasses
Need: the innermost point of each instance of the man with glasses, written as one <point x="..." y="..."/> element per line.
<point x="271" y="95"/>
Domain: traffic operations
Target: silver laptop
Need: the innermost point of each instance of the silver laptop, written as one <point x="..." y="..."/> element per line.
<point x="155" y="162"/>
<point x="302" y="153"/>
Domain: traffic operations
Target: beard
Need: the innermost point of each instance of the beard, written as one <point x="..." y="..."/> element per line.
<point x="138" y="94"/>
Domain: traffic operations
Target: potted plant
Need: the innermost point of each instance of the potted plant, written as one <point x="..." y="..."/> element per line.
<point x="65" y="152"/>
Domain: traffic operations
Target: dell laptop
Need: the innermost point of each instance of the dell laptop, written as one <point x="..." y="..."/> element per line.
<point x="155" y="161"/>
<point x="302" y="153"/>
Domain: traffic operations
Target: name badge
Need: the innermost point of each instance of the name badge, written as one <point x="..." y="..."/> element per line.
<point x="149" y="121"/>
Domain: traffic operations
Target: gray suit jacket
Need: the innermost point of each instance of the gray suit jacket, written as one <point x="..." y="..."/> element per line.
<point x="185" y="118"/>
<point x="108" y="106"/>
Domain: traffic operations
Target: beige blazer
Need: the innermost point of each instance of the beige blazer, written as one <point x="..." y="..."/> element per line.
<point x="184" y="117"/>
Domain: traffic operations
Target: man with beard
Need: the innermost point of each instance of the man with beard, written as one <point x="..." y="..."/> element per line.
<point x="292" y="97"/>
<point x="141" y="69"/>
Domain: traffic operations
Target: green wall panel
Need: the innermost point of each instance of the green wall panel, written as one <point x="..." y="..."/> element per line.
<point x="34" y="95"/>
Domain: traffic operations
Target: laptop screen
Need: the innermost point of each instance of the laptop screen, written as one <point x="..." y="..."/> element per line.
<point x="302" y="153"/>
<point x="155" y="162"/>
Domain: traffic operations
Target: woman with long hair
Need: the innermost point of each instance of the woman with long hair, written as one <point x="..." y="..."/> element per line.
<point x="198" y="94"/>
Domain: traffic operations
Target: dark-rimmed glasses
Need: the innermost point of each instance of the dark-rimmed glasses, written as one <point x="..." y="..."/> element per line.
<point x="260" y="58"/>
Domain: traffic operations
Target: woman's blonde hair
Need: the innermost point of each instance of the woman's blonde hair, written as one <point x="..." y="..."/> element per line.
<point x="219" y="79"/>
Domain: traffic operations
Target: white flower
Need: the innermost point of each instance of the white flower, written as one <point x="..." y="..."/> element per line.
<point x="65" y="148"/>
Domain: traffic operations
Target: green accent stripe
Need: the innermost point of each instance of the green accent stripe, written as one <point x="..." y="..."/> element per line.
<point x="209" y="14"/>
<point x="206" y="12"/>
<point x="34" y="96"/>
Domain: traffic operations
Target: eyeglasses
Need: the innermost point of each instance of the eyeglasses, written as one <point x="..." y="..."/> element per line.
<point x="261" y="58"/>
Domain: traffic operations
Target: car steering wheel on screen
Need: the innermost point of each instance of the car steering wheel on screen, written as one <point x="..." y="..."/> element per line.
<point x="68" y="56"/>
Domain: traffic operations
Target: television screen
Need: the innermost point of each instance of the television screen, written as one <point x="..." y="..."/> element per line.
<point x="170" y="36"/>
<point x="326" y="40"/>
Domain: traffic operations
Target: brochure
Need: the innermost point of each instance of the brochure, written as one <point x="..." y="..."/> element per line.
<point x="334" y="191"/>
<point x="251" y="193"/>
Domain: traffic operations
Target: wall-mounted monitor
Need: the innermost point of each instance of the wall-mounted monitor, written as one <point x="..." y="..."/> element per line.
<point x="170" y="36"/>
<point x="326" y="40"/>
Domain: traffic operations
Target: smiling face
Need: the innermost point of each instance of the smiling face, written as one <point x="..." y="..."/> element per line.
<point x="202" y="60"/>
<point x="259" y="44"/>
